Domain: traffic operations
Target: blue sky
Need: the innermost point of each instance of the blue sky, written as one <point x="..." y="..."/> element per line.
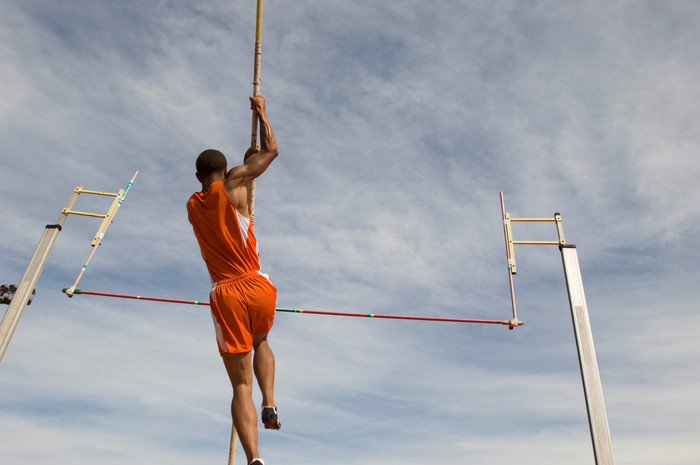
<point x="398" y="124"/>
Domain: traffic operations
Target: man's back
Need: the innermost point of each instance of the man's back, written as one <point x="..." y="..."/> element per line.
<point x="225" y="237"/>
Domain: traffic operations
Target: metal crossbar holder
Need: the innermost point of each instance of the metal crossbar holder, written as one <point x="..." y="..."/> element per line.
<point x="75" y="212"/>
<point x="536" y="242"/>
<point x="80" y="190"/>
<point x="533" y="220"/>
<point x="107" y="220"/>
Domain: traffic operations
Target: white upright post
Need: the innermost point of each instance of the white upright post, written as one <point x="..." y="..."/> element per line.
<point x="41" y="255"/>
<point x="590" y="375"/>
<point x="31" y="276"/>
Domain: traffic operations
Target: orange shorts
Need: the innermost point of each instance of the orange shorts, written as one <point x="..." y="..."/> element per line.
<point x="241" y="307"/>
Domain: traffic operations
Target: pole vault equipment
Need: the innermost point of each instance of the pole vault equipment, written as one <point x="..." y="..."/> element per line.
<point x="510" y="256"/>
<point x="31" y="276"/>
<point x="588" y="362"/>
<point x="24" y="291"/>
<point x="310" y="312"/>
<point x="108" y="218"/>
<point x="256" y="90"/>
<point x="253" y="144"/>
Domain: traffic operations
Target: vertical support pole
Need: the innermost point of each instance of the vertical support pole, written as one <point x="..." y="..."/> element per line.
<point x="560" y="228"/>
<point x="590" y="375"/>
<point x="31" y="276"/>
<point x="510" y="256"/>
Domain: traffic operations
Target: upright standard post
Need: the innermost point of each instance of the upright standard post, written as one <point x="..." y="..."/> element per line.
<point x="510" y="255"/>
<point x="108" y="218"/>
<point x="590" y="375"/>
<point x="31" y="276"/>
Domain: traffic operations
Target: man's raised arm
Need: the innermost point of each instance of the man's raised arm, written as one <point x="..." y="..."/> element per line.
<point x="255" y="162"/>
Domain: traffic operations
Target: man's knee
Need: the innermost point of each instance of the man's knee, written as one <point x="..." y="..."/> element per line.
<point x="259" y="338"/>
<point x="238" y="367"/>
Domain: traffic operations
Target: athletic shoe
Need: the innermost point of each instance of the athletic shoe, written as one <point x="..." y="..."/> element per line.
<point x="257" y="462"/>
<point x="269" y="418"/>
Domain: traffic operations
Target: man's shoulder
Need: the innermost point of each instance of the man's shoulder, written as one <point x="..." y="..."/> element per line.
<point x="215" y="194"/>
<point x="193" y="199"/>
<point x="214" y="187"/>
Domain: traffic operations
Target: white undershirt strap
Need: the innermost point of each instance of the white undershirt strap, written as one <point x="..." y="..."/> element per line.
<point x="244" y="224"/>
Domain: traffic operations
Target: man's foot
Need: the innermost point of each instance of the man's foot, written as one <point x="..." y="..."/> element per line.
<point x="257" y="462"/>
<point x="269" y="418"/>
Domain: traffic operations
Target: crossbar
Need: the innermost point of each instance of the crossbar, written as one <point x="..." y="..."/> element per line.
<point x="509" y="323"/>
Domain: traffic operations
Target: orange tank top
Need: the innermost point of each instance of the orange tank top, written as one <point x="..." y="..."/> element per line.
<point x="226" y="252"/>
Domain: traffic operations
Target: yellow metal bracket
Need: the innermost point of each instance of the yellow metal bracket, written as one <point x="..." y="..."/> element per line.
<point x="509" y="238"/>
<point x="556" y="219"/>
<point x="511" y="243"/>
<point x="106" y="217"/>
<point x="79" y="213"/>
<point x="80" y="190"/>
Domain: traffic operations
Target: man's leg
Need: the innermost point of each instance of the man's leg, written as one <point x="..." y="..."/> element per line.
<point x="240" y="372"/>
<point x="264" y="366"/>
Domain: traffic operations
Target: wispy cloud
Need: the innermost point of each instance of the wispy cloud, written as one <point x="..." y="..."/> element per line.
<point x="398" y="124"/>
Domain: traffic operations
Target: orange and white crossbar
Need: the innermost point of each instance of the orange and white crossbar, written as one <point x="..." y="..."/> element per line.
<point x="107" y="219"/>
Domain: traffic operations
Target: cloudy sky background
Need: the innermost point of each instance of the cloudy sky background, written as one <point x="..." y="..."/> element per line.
<point x="398" y="124"/>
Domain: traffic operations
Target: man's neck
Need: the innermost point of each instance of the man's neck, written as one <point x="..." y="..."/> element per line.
<point x="206" y="184"/>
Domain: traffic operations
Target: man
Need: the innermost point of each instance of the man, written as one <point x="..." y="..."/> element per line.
<point x="242" y="298"/>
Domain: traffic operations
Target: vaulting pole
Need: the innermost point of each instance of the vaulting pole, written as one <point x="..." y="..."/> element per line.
<point x="256" y="91"/>
<point x="253" y="144"/>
